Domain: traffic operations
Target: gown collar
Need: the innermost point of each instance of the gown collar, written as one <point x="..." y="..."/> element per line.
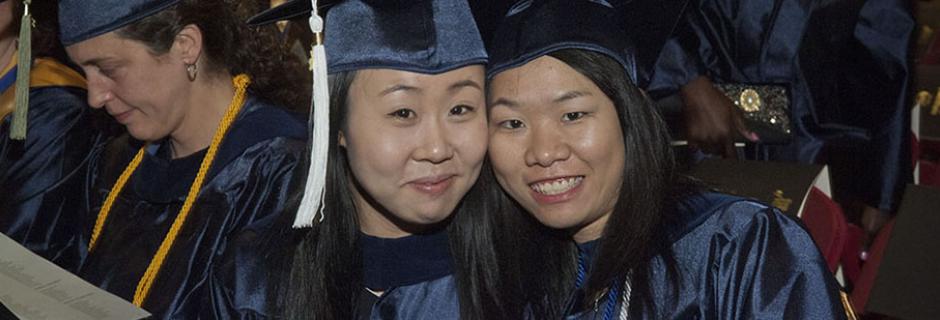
<point x="160" y="179"/>
<point x="389" y="263"/>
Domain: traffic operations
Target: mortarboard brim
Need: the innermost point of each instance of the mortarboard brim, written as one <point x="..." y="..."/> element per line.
<point x="289" y="10"/>
<point x="80" y="20"/>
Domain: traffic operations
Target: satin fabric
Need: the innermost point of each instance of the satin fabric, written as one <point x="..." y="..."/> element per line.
<point x="845" y="63"/>
<point x="738" y="259"/>
<point x="219" y="267"/>
<point x="429" y="300"/>
<point x="41" y="177"/>
<point x="416" y="275"/>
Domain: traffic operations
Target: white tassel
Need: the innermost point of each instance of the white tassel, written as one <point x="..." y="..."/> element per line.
<point x="311" y="204"/>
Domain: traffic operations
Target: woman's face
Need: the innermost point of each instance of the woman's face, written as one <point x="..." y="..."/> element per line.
<point x="415" y="144"/>
<point x="556" y="145"/>
<point x="141" y="91"/>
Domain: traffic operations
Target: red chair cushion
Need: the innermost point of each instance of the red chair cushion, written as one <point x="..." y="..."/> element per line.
<point x="826" y="224"/>
<point x="929" y="173"/>
<point x="851" y="261"/>
<point x="866" y="278"/>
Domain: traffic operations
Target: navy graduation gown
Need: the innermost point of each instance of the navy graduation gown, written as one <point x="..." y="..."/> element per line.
<point x="416" y="275"/>
<point x="218" y="268"/>
<point x="845" y="63"/>
<point x="738" y="259"/>
<point x="41" y="177"/>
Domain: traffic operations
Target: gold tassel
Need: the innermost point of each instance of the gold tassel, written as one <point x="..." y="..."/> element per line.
<point x="935" y="109"/>
<point x="847" y="304"/>
<point x="23" y="64"/>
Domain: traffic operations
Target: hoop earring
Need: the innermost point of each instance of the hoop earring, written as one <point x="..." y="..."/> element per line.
<point x="191" y="71"/>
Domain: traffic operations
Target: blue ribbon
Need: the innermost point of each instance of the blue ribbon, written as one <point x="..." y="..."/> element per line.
<point x="8" y="79"/>
<point x="612" y="293"/>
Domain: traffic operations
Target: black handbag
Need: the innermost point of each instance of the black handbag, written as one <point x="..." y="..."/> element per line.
<point x="766" y="109"/>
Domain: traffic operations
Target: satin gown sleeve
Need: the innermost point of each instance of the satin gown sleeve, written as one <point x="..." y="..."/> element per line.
<point x="736" y="259"/>
<point x="748" y="261"/>
<point x="41" y="177"/>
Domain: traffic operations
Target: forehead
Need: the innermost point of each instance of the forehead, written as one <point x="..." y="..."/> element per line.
<point x="377" y="82"/>
<point x="538" y="81"/>
<point x="108" y="46"/>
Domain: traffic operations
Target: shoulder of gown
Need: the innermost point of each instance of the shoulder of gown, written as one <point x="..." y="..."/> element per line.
<point x="740" y="259"/>
<point x="227" y="269"/>
<point x="268" y="145"/>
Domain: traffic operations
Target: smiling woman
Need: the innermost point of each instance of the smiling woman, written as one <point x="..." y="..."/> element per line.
<point x="566" y="121"/>
<point x="179" y="203"/>
<point x="617" y="231"/>
<point x="406" y="233"/>
<point x="429" y="132"/>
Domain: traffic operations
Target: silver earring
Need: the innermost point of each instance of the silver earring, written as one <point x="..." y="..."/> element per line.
<point x="191" y="71"/>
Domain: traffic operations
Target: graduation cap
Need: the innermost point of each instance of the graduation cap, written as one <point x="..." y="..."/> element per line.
<point x="80" y="20"/>
<point x="533" y="28"/>
<point x="426" y="36"/>
<point x="423" y="36"/>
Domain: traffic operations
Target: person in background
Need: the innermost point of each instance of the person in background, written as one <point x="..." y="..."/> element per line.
<point x="617" y="231"/>
<point x="40" y="177"/>
<point x="175" y="206"/>
<point x="845" y="65"/>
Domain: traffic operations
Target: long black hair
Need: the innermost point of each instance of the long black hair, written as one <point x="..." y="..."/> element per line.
<point x="651" y="189"/>
<point x="326" y="274"/>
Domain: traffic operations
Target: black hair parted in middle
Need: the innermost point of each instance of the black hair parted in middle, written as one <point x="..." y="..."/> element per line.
<point x="326" y="275"/>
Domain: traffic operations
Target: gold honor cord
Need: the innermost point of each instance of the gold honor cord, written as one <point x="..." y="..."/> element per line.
<point x="146" y="281"/>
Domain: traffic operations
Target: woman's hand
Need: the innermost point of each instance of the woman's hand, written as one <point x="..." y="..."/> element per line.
<point x="711" y="120"/>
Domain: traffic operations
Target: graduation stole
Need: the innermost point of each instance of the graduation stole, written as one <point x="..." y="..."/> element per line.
<point x="613" y="292"/>
<point x="146" y="281"/>
<point x="44" y="73"/>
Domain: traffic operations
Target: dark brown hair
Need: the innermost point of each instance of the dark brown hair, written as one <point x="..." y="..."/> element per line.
<point x="231" y="46"/>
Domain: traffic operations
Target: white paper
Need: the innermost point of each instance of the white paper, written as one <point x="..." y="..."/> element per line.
<point x="36" y="289"/>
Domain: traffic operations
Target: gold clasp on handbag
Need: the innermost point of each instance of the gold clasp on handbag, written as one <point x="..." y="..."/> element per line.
<point x="750" y="100"/>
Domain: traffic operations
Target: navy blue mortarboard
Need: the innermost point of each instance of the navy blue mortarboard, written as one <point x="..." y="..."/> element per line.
<point x="80" y="20"/>
<point x="533" y="29"/>
<point x="426" y="36"/>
